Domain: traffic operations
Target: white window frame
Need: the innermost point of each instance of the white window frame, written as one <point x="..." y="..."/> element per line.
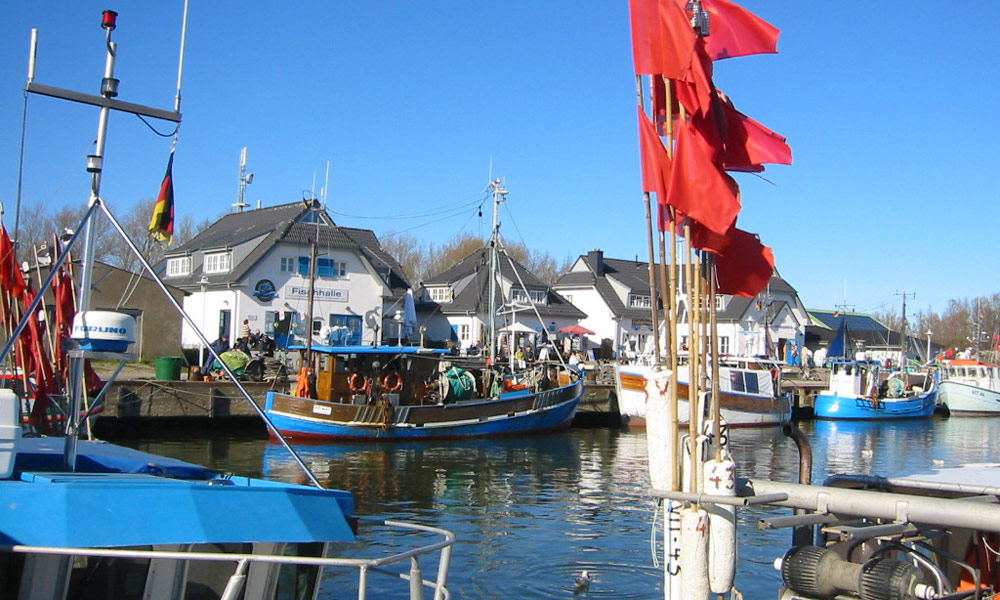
<point x="639" y="301"/>
<point x="439" y="294"/>
<point x="463" y="332"/>
<point x="218" y="262"/>
<point x="723" y="344"/>
<point x="179" y="267"/>
<point x="289" y="264"/>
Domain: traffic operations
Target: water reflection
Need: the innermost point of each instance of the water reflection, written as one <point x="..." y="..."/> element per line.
<point x="531" y="513"/>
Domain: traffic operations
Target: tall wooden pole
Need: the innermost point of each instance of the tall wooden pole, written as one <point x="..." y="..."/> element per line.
<point x="652" y="255"/>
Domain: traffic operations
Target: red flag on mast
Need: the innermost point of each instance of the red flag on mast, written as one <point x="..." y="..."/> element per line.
<point x="698" y="187"/>
<point x="736" y="31"/>
<point x="655" y="162"/>
<point x="161" y="225"/>
<point x="662" y="38"/>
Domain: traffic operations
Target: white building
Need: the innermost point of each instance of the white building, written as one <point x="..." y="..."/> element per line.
<point x="255" y="265"/>
<point x="615" y="295"/>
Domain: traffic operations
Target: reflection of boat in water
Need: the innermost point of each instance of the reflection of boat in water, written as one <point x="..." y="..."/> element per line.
<point x="86" y="519"/>
<point x="970" y="388"/>
<point x="749" y="392"/>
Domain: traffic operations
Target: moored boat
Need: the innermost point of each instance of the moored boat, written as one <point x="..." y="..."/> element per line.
<point x="860" y="390"/>
<point x="406" y="392"/>
<point x="970" y="387"/>
<point x="749" y="393"/>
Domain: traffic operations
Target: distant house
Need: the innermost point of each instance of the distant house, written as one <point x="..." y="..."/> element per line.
<point x="455" y="304"/>
<point x="615" y="295"/>
<point x="868" y="338"/>
<point x="255" y="265"/>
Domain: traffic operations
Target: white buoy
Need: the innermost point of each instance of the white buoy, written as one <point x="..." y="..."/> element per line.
<point x="720" y="480"/>
<point x="694" y="553"/>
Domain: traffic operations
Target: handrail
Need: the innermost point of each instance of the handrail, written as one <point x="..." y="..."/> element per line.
<point x="364" y="565"/>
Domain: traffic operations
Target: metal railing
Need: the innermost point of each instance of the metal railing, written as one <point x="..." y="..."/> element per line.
<point x="238" y="578"/>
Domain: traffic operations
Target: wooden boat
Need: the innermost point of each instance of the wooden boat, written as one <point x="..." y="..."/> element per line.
<point x="860" y="390"/>
<point x="406" y="392"/>
<point x="749" y="393"/>
<point x="970" y="387"/>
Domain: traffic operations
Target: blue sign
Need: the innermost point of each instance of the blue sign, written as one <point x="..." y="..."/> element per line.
<point x="264" y="290"/>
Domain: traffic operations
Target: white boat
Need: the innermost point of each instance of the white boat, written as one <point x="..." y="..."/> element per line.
<point x="970" y="387"/>
<point x="749" y="391"/>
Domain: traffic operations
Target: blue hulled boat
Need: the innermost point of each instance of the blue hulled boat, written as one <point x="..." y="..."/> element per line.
<point x="409" y="392"/>
<point x="858" y="390"/>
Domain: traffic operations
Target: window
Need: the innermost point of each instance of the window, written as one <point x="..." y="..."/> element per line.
<point x="463" y="333"/>
<point x="719" y="302"/>
<point x="270" y="318"/>
<point x="440" y="294"/>
<point x="317" y="326"/>
<point x="347" y="329"/>
<point x="723" y="344"/>
<point x="288" y="264"/>
<point x="638" y="301"/>
<point x="568" y="297"/>
<point x="220" y="262"/>
<point x="532" y="296"/>
<point x="178" y="267"/>
<point x="325" y="267"/>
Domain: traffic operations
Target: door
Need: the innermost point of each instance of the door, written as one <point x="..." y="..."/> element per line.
<point x="225" y="320"/>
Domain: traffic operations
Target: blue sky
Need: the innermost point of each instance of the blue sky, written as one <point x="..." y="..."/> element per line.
<point x="888" y="108"/>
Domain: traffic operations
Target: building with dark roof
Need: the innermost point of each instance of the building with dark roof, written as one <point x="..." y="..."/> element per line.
<point x="868" y="337"/>
<point x="615" y="295"/>
<point x="455" y="304"/>
<point x="255" y="265"/>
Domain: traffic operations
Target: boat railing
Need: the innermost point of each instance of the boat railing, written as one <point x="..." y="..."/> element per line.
<point x="364" y="566"/>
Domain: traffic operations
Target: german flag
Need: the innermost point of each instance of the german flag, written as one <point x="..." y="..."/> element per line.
<point x="162" y="224"/>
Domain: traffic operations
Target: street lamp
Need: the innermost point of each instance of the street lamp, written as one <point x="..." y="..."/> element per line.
<point x="398" y="318"/>
<point x="203" y="284"/>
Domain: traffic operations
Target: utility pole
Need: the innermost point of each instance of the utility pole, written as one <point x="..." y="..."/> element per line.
<point x="903" y="341"/>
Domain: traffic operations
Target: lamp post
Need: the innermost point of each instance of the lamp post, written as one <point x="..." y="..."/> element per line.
<point x="203" y="284"/>
<point x="398" y="318"/>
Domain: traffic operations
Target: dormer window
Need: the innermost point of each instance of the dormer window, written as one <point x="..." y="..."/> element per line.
<point x="218" y="262"/>
<point x="439" y="294"/>
<point x="638" y="301"/>
<point x="531" y="296"/>
<point x="179" y="267"/>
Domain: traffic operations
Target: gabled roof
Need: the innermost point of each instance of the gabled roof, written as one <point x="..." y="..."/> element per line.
<point x="474" y="297"/>
<point x="283" y="223"/>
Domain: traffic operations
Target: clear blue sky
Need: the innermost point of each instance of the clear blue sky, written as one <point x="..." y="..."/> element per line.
<point x="888" y="107"/>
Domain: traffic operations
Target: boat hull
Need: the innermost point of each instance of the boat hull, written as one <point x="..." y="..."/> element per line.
<point x="513" y="413"/>
<point x="965" y="399"/>
<point x="834" y="406"/>
<point x="738" y="410"/>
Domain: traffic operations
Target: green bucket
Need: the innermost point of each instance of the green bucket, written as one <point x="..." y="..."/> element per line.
<point x="168" y="368"/>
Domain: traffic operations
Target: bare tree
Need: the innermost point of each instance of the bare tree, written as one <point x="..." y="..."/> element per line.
<point x="411" y="253"/>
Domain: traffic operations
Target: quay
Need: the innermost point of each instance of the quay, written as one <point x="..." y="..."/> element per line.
<point x="138" y="406"/>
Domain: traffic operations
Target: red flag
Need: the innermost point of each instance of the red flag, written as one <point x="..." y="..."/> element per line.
<point x="749" y="144"/>
<point x="161" y="225"/>
<point x="655" y="163"/>
<point x="698" y="187"/>
<point x="744" y="266"/>
<point x="10" y="273"/>
<point x="696" y="90"/>
<point x="736" y="31"/>
<point x="662" y="38"/>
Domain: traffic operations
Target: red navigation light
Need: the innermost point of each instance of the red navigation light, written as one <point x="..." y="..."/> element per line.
<point x="109" y="19"/>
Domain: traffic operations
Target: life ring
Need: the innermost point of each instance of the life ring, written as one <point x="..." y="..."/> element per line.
<point x="392" y="381"/>
<point x="357" y="383"/>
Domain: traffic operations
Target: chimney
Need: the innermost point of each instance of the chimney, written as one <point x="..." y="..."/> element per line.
<point x="596" y="260"/>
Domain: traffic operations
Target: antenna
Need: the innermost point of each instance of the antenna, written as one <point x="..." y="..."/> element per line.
<point x="245" y="180"/>
<point x="326" y="183"/>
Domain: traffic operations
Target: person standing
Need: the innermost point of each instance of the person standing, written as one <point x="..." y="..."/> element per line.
<point x="245" y="331"/>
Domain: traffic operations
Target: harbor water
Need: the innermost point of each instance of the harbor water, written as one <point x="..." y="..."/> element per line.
<point x="531" y="513"/>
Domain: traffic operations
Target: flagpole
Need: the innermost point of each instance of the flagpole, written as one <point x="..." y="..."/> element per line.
<point x="672" y="289"/>
<point x="652" y="254"/>
<point x="716" y="408"/>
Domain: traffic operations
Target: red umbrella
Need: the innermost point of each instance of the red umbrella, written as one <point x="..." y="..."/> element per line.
<point x="576" y="330"/>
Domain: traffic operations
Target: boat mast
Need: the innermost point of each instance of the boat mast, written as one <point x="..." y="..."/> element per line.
<point x="499" y="196"/>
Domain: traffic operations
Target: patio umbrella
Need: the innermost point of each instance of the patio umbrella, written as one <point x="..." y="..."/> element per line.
<point x="576" y="329"/>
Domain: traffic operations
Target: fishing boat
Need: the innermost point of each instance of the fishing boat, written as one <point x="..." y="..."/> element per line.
<point x="970" y="387"/>
<point x="861" y="390"/>
<point x="749" y="392"/>
<point x="87" y="519"/>
<point x="407" y="392"/>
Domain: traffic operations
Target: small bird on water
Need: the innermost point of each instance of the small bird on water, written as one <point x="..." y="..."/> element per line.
<point x="582" y="583"/>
